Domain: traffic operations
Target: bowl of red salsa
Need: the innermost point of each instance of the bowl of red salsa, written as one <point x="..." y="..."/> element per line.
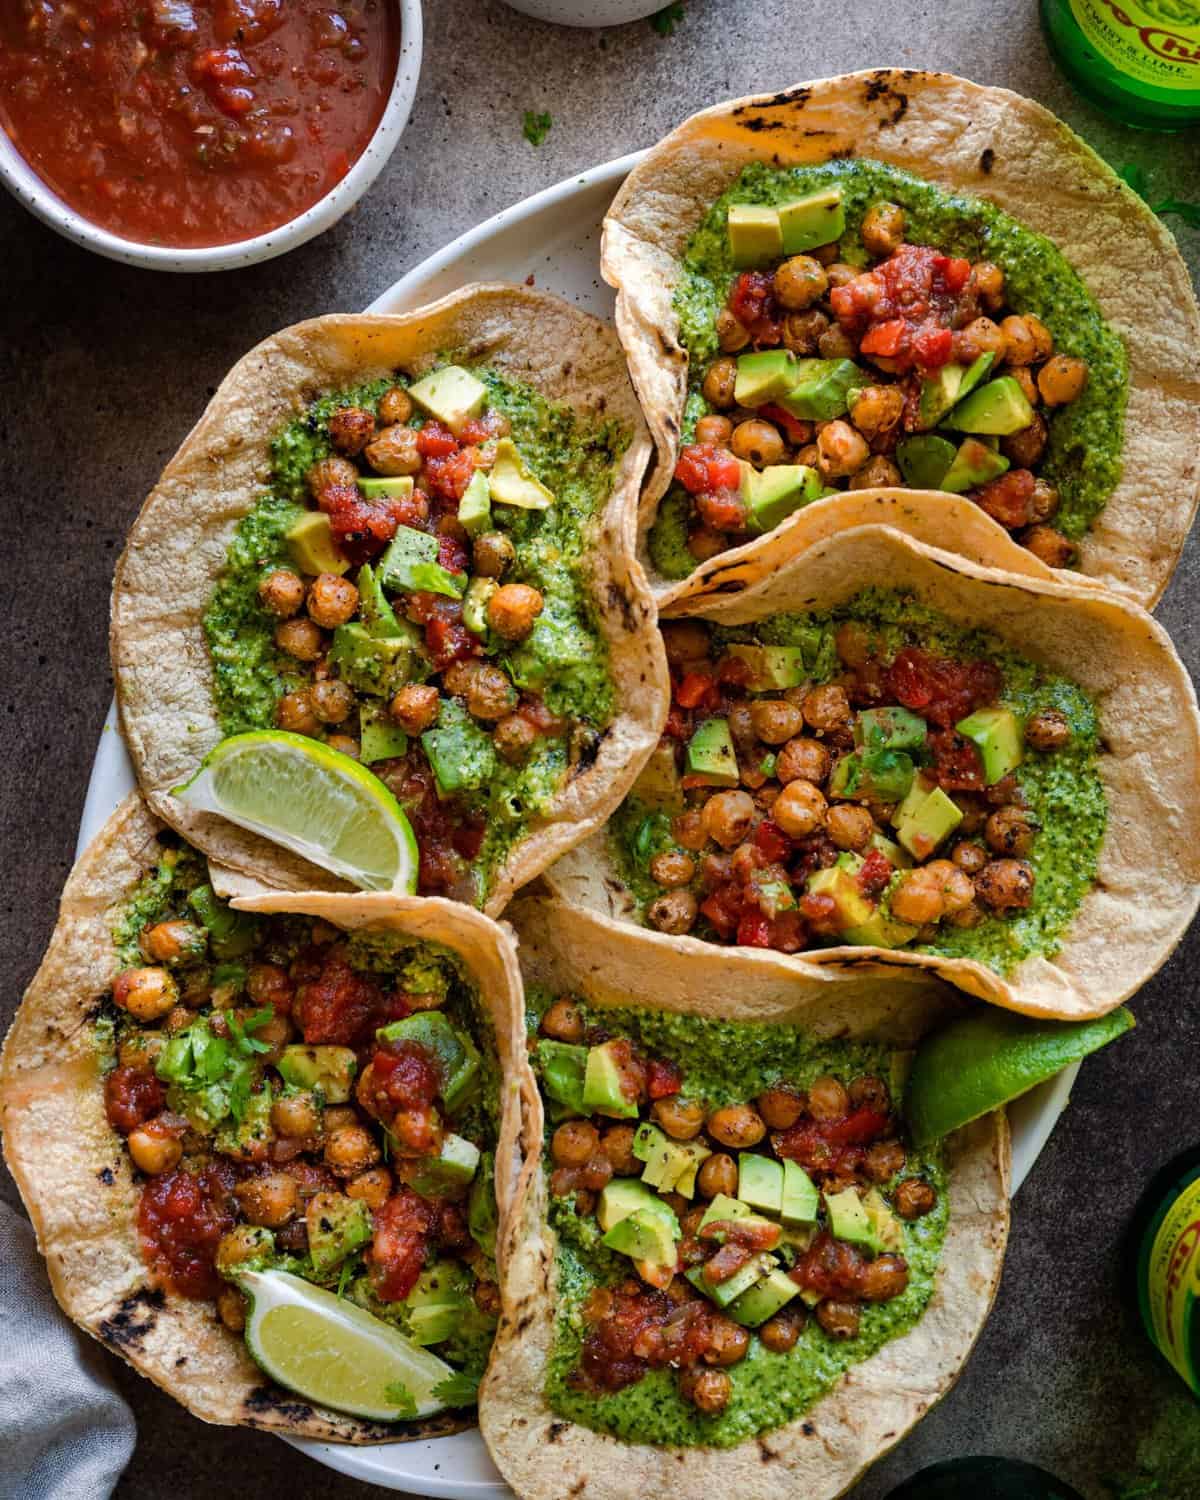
<point x="198" y="135"/>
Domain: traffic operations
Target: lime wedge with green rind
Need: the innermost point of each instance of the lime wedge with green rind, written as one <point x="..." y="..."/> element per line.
<point x="335" y="1353"/>
<point x="984" y="1060"/>
<point x="315" y="801"/>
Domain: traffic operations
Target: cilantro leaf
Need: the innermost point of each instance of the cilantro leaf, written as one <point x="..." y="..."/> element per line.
<point x="350" y="1267"/>
<point x="246" y="1045"/>
<point x="536" y="127"/>
<point x="399" y="1395"/>
<point x="459" y="1389"/>
<point x="666" y="20"/>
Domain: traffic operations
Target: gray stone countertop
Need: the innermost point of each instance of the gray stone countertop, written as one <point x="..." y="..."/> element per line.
<point x="103" y="369"/>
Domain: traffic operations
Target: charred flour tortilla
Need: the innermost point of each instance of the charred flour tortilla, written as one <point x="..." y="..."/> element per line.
<point x="179" y="550"/>
<point x="963" y="139"/>
<point x="1148" y="871"/>
<point x="818" y="1453"/>
<point x="75" y="1173"/>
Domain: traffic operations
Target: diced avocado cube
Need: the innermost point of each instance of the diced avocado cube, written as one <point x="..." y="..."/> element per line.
<point x="562" y="1066"/>
<point x="920" y="789"/>
<point x="1000" y="407"/>
<point x="449" y="1171"/>
<point x="461" y="753"/>
<point x="644" y="1235"/>
<point x="657" y="784"/>
<point x="852" y="906"/>
<point x="230" y="933"/>
<point x="394" y="487"/>
<point x="898" y="858"/>
<point x="822" y="389"/>
<point x="475" y="507"/>
<point x="939" y="392"/>
<point x="889" y="1234"/>
<point x="770" y="667"/>
<point x="848" y="1219"/>
<point x="882" y="774"/>
<point x="974" y="464"/>
<point x="763" y="376"/>
<point x="456" y="1055"/>
<point x="800" y="1200"/>
<point x="729" y="1290"/>
<point x="755" y="236"/>
<point x="482" y="1214"/>
<point x="511" y="483"/>
<point x="375" y="608"/>
<point x="890" y="729"/>
<point x="695" y="1155"/>
<point x="410" y="565"/>
<point x="671" y="1166"/>
<point x="380" y="737"/>
<point x="999" y="737"/>
<point x="452" y="395"/>
<point x="764" y="1299"/>
<point x="438" y="1304"/>
<point x="603" y="1085"/>
<point x="723" y="1209"/>
<point x="976" y="373"/>
<point x="246" y="1139"/>
<point x="310" y="542"/>
<point x="378" y="666"/>
<point x="881" y="931"/>
<point x="816" y="219"/>
<point x="923" y="830"/>
<point x="337" y="1227"/>
<point x="760" y="1181"/>
<point x="623" y="1196"/>
<point x="710" y="754"/>
<point x="925" y="461"/>
<point x="330" y="1069"/>
<point x="475" y="603"/>
<point x="776" y="492"/>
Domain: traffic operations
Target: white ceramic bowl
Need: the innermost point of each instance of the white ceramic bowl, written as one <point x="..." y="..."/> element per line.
<point x="588" y="12"/>
<point x="24" y="183"/>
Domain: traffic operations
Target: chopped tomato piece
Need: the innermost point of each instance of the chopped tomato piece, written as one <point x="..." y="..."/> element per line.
<point x="754" y="931"/>
<point x="1007" y="499"/>
<point x="696" y="690"/>
<point x="338" y="1006"/>
<point x="796" y="431"/>
<point x="662" y="1078"/>
<point x="705" y="466"/>
<point x="772" y="841"/>
<point x="397" y="1254"/>
<point x="436" y="441"/>
<point x="884" y="338"/>
<point x="956" y="762"/>
<point x="721" y="510"/>
<point x="875" y="873"/>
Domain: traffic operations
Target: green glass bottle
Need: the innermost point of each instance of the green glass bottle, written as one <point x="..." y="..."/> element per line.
<point x="1163" y="1256"/>
<point x="1139" y="60"/>
<point x="984" y="1478"/>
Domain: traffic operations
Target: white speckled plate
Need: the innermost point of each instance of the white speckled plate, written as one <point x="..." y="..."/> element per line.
<point x="555" y="238"/>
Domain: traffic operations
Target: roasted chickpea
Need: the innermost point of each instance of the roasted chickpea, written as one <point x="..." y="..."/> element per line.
<point x="490" y="694"/>
<point x="1025" y="447"/>
<point x="394" y="451"/>
<point x="395" y="405"/>
<point x="672" y="868"/>
<point x="1061" y="379"/>
<point x="732" y="335"/>
<point x="331" y="701"/>
<point x="685" y="641"/>
<point x="800" y="809"/>
<point x="174" y="942"/>
<point x="877" y="409"/>
<point x="775" y="720"/>
<point x="703" y="542"/>
<point x="799" y="282"/>
<point x="987" y="281"/>
<point x="373" y="1187"/>
<point x="513" y="738"/>
<point x="147" y="994"/>
<point x="728" y="1343"/>
<point x="728" y="817"/>
<point x="270" y="1200"/>
<point x="849" y="826"/>
<point x="349" y="1150"/>
<point x="758" y="442"/>
<point x="914" y="1197"/>
<point x="596" y="1173"/>
<point x="841" y="450"/>
<point x="841" y="274"/>
<point x="1048" y="545"/>
<point x="294" y="712"/>
<point x="300" y="638"/>
<point x="828" y="1099"/>
<point x="493" y="554"/>
<point x="338" y="1115"/>
<point x="883" y="229"/>
<point x="838" y="1319"/>
<point x="330" y="474"/>
<point x="826" y="708"/>
<point x="268" y="984"/>
<point x="1026" y="379"/>
<point x="231" y="1308"/>
<point x="802" y="331"/>
<point x="674" y="913"/>
<point x="574" y="1143"/>
<point x="1043" y="339"/>
<point x="718" y="385"/>
<point x="883" y="1278"/>
<point x="876" y="474"/>
<point x="331" y="600"/>
<point x="780" y="1333"/>
<point x="780" y="1106"/>
<point x="141" y="1049"/>
<point x="1044" y="502"/>
<point x="240" y="1244"/>
<point x="351" y="428"/>
<point x="883" y="1160"/>
<point x="296" y="1116"/>
<point x="687" y="829"/>
<point x="512" y="610"/>
<point x="802" y="759"/>
<point x="836" y="343"/>
<point x="1020" y="345"/>
<point x="980" y="336"/>
<point x="415" y="707"/>
<point x="1010" y="830"/>
<point x="718" y="1174"/>
<point x="153" y="1151"/>
<point x="737" y="1126"/>
<point x="714" y="430"/>
<point x="563" y="1021"/>
<point x="1005" y="884"/>
<point x="1048" y="729"/>
<point x="808" y="455"/>
<point x="281" y="592"/>
<point x="681" y="1118"/>
<point x="708" y="1390"/>
<point x="969" y="856"/>
<point x="617" y="1145"/>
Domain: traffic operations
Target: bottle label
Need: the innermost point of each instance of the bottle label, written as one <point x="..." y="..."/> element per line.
<point x="1173" y="1282"/>
<point x="1156" y="42"/>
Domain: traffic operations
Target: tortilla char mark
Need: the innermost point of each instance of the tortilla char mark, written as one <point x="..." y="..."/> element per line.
<point x="135" y="1317"/>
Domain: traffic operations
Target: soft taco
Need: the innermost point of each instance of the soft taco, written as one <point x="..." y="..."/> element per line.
<point x="410" y="539"/>
<point x="730" y="1266"/>
<point x="212" y="1114"/>
<point x="903" y="278"/>
<point x="881" y="755"/>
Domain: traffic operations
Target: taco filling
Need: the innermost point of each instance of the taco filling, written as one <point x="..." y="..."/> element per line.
<point x="870" y="775"/>
<point x="301" y="1100"/>
<point x="850" y="326"/>
<point x="740" y="1218"/>
<point x="413" y="591"/>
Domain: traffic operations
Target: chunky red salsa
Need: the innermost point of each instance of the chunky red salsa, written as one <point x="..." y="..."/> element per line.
<point x="194" y="122"/>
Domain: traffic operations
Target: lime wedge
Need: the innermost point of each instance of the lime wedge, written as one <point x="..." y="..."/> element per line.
<point x="982" y="1061"/>
<point x="336" y="1354"/>
<point x="313" y="800"/>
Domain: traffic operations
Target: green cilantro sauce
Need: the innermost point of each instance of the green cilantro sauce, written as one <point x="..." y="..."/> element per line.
<point x="1062" y="787"/>
<point x="727" y="1062"/>
<point x="565" y="658"/>
<point x="1083" y="457"/>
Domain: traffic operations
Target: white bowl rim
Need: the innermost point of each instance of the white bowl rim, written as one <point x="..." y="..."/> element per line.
<point x="29" y="189"/>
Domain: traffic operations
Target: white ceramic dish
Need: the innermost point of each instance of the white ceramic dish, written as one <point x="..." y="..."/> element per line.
<point x="587" y="12"/>
<point x="28" y="188"/>
<point x="554" y="237"/>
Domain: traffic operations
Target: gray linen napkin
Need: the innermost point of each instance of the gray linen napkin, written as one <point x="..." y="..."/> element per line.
<point x="65" y="1434"/>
